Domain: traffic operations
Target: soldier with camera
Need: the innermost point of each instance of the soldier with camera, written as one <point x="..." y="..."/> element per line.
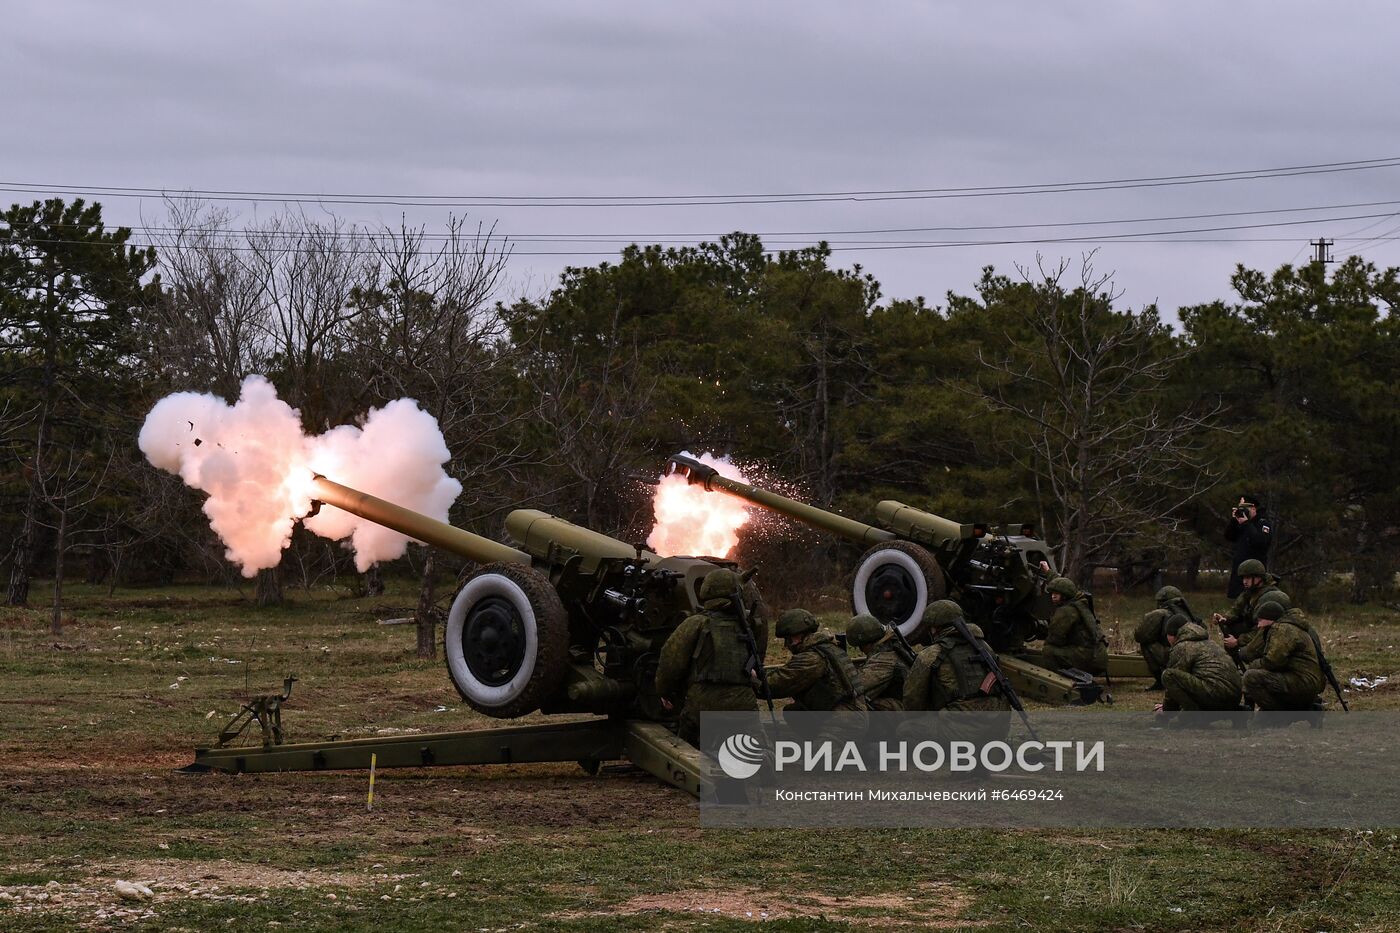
<point x="1251" y="536"/>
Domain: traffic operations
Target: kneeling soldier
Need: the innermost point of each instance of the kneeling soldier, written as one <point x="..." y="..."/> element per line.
<point x="1238" y="625"/>
<point x="819" y="675"/>
<point x="886" y="666"/>
<point x="706" y="663"/>
<point x="1150" y="633"/>
<point x="1074" y="638"/>
<point x="950" y="675"/>
<point x="1285" y="673"/>
<point x="1200" y="675"/>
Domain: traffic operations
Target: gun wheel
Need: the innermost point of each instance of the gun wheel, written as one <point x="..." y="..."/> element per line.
<point x="895" y="581"/>
<point x="507" y="640"/>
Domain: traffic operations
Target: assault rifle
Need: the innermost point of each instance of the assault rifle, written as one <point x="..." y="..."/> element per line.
<point x="756" y="667"/>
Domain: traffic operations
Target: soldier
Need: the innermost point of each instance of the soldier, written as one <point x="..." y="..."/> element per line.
<point x="1238" y="625"/>
<point x="1199" y="675"/>
<point x="886" y="666"/>
<point x="706" y="663"/>
<point x="950" y="675"/>
<point x="819" y="675"/>
<point x="1150" y="634"/>
<point x="1074" y="638"/>
<point x="1285" y="673"/>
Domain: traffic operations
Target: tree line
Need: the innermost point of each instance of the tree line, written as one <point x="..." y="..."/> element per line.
<point x="1032" y="395"/>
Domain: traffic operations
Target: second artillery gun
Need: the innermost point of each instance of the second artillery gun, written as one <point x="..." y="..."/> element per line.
<point x="567" y="621"/>
<point x="914" y="558"/>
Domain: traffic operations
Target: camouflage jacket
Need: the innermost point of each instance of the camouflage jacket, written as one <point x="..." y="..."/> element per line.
<point x="1240" y="618"/>
<point x="1286" y="647"/>
<point x="819" y="675"/>
<point x="883" y="674"/>
<point x="933" y="681"/>
<point x="1150" y="629"/>
<point x="1194" y="653"/>
<point x="1074" y="624"/>
<point x="675" y="668"/>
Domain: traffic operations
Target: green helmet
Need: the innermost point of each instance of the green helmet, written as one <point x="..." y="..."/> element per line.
<point x="864" y="629"/>
<point x="718" y="584"/>
<point x="1271" y="610"/>
<point x="1064" y="586"/>
<point x="1166" y="594"/>
<point x="795" y="622"/>
<point x="942" y="612"/>
<point x="1251" y="568"/>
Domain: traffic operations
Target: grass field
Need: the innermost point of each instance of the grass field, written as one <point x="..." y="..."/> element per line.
<point x="93" y="724"/>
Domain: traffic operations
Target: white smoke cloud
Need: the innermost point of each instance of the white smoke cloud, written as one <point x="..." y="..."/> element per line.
<point x="256" y="464"/>
<point x="693" y="522"/>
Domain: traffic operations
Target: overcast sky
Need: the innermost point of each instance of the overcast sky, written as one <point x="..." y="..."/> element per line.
<point x="655" y="98"/>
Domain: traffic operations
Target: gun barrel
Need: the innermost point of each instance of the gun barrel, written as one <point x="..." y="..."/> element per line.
<point x="415" y="525"/>
<point x="698" y="473"/>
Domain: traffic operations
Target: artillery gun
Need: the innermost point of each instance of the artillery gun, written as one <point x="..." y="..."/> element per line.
<point x="915" y="557"/>
<point x="567" y="621"/>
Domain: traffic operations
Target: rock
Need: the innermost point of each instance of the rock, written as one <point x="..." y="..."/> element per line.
<point x="130" y="892"/>
<point x="331" y="897"/>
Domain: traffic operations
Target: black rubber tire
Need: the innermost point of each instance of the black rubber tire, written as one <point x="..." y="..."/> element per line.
<point x="918" y="565"/>
<point x="543" y="624"/>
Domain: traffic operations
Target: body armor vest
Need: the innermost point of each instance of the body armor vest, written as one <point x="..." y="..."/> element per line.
<point x="837" y="684"/>
<point x="720" y="656"/>
<point x="968" y="670"/>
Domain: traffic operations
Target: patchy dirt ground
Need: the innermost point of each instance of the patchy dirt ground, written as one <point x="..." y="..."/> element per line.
<point x="93" y="726"/>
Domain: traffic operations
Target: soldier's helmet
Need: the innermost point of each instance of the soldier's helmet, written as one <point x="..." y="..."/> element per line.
<point x="795" y="622"/>
<point x="718" y="584"/>
<point x="1176" y="623"/>
<point x="1271" y="610"/>
<point x="941" y="613"/>
<point x="1251" y="568"/>
<point x="864" y="629"/>
<point x="1064" y="586"/>
<point x="1166" y="594"/>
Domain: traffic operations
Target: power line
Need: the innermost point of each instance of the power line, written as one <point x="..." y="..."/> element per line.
<point x="364" y="233"/>
<point x="699" y="200"/>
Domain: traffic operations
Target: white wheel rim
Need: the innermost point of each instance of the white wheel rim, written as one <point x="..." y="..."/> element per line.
<point x="880" y="559"/>
<point x="478" y="588"/>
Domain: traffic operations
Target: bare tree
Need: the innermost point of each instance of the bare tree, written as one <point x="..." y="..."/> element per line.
<point x="424" y="326"/>
<point x="1084" y="388"/>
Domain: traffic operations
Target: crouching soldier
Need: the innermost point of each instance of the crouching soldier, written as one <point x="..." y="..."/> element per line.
<point x="706" y="664"/>
<point x="1238" y="624"/>
<point x="1151" y="631"/>
<point x="886" y="667"/>
<point x="1200" y="675"/>
<point x="950" y="675"/>
<point x="1074" y="638"/>
<point x="1284" y="672"/>
<point x="819" y="675"/>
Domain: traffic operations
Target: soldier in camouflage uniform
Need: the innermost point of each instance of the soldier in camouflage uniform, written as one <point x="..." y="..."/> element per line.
<point x="1238" y="625"/>
<point x="705" y="664"/>
<point x="950" y="675"/>
<point x="1200" y="675"/>
<point x="1150" y="633"/>
<point x="819" y="675"/>
<point x="1284" y="673"/>
<point x="1074" y="639"/>
<point x="886" y="667"/>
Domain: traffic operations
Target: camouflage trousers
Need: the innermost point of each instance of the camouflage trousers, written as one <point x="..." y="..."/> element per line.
<point x="1189" y="692"/>
<point x="711" y="698"/>
<point x="889" y="704"/>
<point x="1092" y="660"/>
<point x="1270" y="690"/>
<point x="1155" y="654"/>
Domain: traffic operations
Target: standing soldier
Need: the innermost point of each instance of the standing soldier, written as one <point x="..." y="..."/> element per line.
<point x="819" y="675"/>
<point x="1074" y="639"/>
<point x="1251" y="536"/>
<point x="1238" y="625"/>
<point x="706" y="663"/>
<point x="886" y="666"/>
<point x="1151" y="635"/>
<point x="1199" y="674"/>
<point x="1285" y="673"/>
